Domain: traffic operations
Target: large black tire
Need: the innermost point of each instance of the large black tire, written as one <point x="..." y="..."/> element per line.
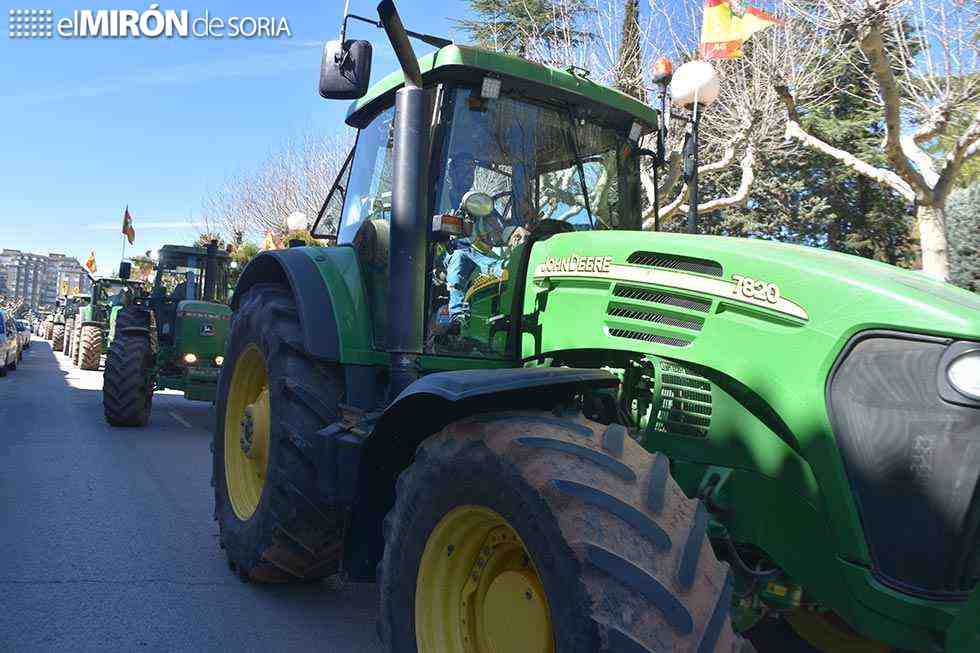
<point x="90" y="348"/>
<point x="69" y="339"/>
<point x="621" y="553"/>
<point x="292" y="535"/>
<point x="58" y="337"/>
<point x="127" y="389"/>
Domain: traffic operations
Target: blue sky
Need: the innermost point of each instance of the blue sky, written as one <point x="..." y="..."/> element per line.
<point x="91" y="125"/>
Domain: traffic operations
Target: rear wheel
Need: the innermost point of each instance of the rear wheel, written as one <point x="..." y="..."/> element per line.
<point x="90" y="348"/>
<point x="58" y="337"/>
<point x="528" y="532"/>
<point x="272" y="399"/>
<point x="127" y="387"/>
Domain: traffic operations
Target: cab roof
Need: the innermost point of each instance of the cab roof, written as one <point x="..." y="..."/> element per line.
<point x="460" y="62"/>
<point x="185" y="250"/>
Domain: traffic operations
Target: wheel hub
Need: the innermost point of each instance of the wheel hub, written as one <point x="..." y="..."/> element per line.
<point x="248" y="430"/>
<point x="246" y="436"/>
<point x="477" y="589"/>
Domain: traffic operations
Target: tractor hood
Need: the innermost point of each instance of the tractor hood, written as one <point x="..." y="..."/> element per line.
<point x="786" y="289"/>
<point x="203" y="328"/>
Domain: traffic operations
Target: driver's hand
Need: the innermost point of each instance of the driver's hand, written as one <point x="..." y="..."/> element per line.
<point x="518" y="237"/>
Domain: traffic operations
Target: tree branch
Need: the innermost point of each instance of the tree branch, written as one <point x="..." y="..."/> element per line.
<point x="873" y="47"/>
<point x="738" y="198"/>
<point x="967" y="145"/>
<point x="795" y="131"/>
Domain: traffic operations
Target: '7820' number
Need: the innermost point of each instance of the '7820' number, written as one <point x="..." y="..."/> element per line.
<point x="755" y="289"/>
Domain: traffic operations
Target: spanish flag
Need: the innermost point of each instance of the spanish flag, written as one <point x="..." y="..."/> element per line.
<point x="724" y="29"/>
<point x="90" y="263"/>
<point x="127" y="227"/>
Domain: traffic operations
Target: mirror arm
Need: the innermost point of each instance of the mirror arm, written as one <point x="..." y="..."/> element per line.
<point x="434" y="41"/>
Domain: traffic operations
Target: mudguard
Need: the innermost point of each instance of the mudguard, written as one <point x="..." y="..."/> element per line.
<point x="316" y="314"/>
<point x="86" y="323"/>
<point x="422" y="409"/>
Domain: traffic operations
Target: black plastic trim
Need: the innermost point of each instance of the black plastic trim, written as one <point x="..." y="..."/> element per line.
<point x="884" y="579"/>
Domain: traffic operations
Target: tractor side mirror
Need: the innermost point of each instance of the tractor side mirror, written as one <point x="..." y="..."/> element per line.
<point x="125" y="270"/>
<point x="345" y="70"/>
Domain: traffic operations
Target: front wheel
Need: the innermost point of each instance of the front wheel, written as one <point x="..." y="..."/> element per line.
<point x="127" y="385"/>
<point x="272" y="400"/>
<point x="90" y="348"/>
<point x="528" y="532"/>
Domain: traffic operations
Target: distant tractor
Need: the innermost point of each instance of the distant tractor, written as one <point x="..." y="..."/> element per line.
<point x="542" y="429"/>
<point x="96" y="322"/>
<point x="63" y="319"/>
<point x="174" y="338"/>
<point x="76" y="303"/>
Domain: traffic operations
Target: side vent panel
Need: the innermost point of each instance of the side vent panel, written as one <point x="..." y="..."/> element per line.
<point x="676" y="262"/>
<point x="683" y="406"/>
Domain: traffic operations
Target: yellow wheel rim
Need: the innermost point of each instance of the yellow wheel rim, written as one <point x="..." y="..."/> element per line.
<point x="478" y="590"/>
<point x="247" y="422"/>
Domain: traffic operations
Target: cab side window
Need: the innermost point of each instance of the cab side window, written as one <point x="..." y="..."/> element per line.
<point x="368" y="188"/>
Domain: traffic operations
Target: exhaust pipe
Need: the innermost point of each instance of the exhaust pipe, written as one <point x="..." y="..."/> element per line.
<point x="409" y="227"/>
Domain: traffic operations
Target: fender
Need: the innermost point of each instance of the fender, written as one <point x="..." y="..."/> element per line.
<point x="316" y="314"/>
<point x="423" y="408"/>
<point x="101" y="325"/>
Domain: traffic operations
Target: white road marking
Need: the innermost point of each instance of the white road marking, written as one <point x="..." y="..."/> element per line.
<point x="180" y="419"/>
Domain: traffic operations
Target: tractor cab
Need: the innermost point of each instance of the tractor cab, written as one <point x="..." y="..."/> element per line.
<point x="110" y="294"/>
<point x="187" y="277"/>
<point x="515" y="159"/>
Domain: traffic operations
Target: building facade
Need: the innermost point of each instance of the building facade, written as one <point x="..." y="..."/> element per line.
<point x="38" y="279"/>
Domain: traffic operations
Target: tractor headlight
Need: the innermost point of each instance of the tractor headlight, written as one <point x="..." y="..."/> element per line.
<point x="190" y="359"/>
<point x="219" y="360"/>
<point x="964" y="374"/>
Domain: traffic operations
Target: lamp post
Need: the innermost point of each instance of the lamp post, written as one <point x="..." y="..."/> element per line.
<point x="695" y="85"/>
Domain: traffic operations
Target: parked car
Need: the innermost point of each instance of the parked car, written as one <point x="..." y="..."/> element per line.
<point x="24" y="331"/>
<point x="9" y="344"/>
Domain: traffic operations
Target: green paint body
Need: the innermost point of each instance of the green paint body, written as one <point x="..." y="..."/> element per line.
<point x="787" y="486"/>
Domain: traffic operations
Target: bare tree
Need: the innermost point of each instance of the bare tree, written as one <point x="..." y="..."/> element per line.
<point x="922" y="57"/>
<point x="746" y="122"/>
<point x="294" y="178"/>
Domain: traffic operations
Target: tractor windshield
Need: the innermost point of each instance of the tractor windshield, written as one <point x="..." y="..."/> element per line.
<point x="535" y="161"/>
<point x="182" y="277"/>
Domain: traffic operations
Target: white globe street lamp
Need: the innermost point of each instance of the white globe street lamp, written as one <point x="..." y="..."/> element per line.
<point x="296" y="221"/>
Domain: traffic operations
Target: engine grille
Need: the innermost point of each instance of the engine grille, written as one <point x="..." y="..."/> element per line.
<point x="684" y="404"/>
<point x="645" y="295"/>
<point x="676" y="262"/>
<point x="655" y="316"/>
<point x="912" y="461"/>
<point x="694" y="323"/>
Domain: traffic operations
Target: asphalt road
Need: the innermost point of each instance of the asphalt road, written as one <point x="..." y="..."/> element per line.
<point x="107" y="540"/>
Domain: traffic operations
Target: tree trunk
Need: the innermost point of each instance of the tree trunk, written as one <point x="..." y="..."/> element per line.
<point x="931" y="221"/>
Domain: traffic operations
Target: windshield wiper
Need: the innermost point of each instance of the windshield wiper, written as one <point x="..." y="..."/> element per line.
<point x="578" y="164"/>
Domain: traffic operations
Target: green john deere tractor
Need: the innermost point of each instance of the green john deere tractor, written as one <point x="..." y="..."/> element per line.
<point x="95" y="323"/>
<point x="174" y="338"/>
<point x="547" y="430"/>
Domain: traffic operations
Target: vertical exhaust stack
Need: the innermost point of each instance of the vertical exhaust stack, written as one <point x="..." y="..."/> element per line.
<point x="409" y="227"/>
<point x="211" y="271"/>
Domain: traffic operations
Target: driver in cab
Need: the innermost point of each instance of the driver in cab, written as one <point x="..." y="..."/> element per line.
<point x="476" y="251"/>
